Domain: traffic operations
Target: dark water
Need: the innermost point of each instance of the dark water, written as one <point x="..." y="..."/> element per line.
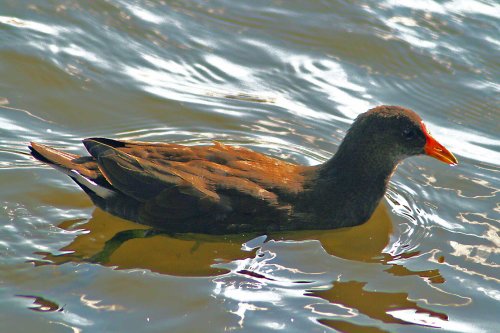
<point x="282" y="77"/>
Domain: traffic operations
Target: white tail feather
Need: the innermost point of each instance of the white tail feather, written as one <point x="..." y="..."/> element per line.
<point x="91" y="185"/>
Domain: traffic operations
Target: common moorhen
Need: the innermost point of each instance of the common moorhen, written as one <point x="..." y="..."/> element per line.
<point x="225" y="189"/>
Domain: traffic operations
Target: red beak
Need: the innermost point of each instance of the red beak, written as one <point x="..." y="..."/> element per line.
<point x="437" y="150"/>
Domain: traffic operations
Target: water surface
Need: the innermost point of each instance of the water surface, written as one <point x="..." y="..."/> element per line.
<point x="285" y="78"/>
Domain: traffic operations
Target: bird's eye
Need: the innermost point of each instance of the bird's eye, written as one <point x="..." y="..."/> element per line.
<point x="409" y="134"/>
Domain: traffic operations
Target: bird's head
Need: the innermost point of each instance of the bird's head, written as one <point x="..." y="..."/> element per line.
<point x="399" y="133"/>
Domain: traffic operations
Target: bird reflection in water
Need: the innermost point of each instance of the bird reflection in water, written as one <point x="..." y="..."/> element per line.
<point x="114" y="242"/>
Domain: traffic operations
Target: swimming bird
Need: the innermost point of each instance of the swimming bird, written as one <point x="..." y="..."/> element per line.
<point x="221" y="189"/>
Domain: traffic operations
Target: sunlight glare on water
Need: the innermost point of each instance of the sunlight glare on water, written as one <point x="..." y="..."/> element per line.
<point x="282" y="78"/>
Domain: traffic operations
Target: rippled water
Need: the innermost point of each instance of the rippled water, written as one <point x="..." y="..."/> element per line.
<point x="285" y="78"/>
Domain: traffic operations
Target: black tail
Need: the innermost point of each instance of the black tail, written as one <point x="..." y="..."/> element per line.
<point x="83" y="170"/>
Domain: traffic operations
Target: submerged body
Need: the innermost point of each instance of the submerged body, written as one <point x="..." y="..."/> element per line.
<point x="224" y="189"/>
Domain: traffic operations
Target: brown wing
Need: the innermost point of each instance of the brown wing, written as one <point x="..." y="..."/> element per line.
<point x="185" y="185"/>
<point x="218" y="166"/>
<point x="166" y="185"/>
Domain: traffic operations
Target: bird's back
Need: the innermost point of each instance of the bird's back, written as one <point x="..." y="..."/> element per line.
<point x="215" y="189"/>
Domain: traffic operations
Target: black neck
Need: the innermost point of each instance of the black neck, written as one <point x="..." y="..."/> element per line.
<point x="349" y="186"/>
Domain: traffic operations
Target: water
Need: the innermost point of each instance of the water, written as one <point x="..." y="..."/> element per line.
<point x="285" y="78"/>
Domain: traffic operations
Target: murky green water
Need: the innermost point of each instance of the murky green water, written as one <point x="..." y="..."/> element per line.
<point x="281" y="77"/>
